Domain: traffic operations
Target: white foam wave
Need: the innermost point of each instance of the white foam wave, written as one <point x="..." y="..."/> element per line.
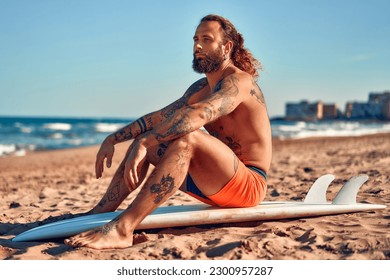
<point x="56" y="135"/>
<point x="328" y="129"/>
<point x="11" y="150"/>
<point x="58" y="126"/>
<point x="108" y="127"/>
<point x="7" y="149"/>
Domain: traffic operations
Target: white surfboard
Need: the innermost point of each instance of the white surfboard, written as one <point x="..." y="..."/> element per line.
<point x="314" y="204"/>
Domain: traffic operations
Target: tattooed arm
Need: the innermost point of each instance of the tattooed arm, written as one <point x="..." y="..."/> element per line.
<point x="140" y="126"/>
<point x="225" y="98"/>
<point x="149" y="121"/>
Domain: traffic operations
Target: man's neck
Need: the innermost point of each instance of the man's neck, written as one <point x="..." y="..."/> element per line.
<point x="213" y="78"/>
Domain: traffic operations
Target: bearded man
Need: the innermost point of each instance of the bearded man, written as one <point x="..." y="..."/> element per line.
<point x="225" y="166"/>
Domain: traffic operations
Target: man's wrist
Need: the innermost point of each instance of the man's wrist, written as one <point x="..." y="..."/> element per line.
<point x="147" y="139"/>
<point x="110" y="139"/>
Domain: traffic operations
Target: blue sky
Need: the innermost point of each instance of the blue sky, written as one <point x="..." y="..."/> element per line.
<point x="127" y="58"/>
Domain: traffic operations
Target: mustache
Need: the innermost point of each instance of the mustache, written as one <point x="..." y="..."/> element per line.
<point x="199" y="52"/>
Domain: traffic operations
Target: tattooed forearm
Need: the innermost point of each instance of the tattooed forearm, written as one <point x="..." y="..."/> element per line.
<point x="181" y="125"/>
<point x="123" y="135"/>
<point x="142" y="125"/>
<point x="169" y="111"/>
<point x="166" y="186"/>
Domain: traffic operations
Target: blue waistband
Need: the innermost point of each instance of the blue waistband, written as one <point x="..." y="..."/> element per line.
<point x="258" y="170"/>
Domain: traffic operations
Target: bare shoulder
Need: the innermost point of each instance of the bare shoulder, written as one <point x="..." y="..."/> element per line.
<point x="196" y="87"/>
<point x="245" y="84"/>
<point x="237" y="82"/>
<point x="256" y="92"/>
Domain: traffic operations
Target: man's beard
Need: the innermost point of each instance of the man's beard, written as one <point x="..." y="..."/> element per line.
<point x="209" y="63"/>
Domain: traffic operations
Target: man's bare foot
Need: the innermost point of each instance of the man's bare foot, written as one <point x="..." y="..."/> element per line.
<point x="110" y="236"/>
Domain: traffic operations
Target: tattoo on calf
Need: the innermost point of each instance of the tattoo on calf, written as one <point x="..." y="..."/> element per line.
<point x="102" y="202"/>
<point x="113" y="193"/>
<point x="161" y="150"/>
<point x="166" y="185"/>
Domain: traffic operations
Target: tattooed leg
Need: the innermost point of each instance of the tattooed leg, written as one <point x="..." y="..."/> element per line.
<point x="165" y="179"/>
<point x="117" y="190"/>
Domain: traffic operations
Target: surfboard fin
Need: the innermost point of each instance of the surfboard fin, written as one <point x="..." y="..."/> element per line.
<point x="348" y="192"/>
<point x="317" y="192"/>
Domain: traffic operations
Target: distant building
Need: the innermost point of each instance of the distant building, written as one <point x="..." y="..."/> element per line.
<point x="304" y="111"/>
<point x="377" y="107"/>
<point x="330" y="111"/>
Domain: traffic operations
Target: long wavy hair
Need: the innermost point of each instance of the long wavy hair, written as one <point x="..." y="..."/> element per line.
<point x="241" y="57"/>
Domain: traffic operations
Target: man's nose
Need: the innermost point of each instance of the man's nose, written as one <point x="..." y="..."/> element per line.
<point x="198" y="46"/>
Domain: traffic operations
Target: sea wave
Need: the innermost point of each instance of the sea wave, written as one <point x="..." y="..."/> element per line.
<point x="58" y="126"/>
<point x="11" y="150"/>
<point x="19" y="135"/>
<point x="108" y="127"/>
<point x="298" y="130"/>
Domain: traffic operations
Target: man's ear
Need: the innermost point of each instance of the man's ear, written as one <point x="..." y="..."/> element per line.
<point x="228" y="48"/>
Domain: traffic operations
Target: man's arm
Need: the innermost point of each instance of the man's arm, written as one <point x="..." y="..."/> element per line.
<point x="150" y="121"/>
<point x="188" y="118"/>
<point x="140" y="126"/>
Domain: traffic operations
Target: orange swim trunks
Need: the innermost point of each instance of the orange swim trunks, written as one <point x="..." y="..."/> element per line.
<point x="247" y="188"/>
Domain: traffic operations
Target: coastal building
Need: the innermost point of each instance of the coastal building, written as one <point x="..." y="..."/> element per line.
<point x="330" y="111"/>
<point x="304" y="111"/>
<point x="377" y="107"/>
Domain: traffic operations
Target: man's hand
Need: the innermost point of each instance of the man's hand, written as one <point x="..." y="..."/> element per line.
<point x="106" y="151"/>
<point x="134" y="163"/>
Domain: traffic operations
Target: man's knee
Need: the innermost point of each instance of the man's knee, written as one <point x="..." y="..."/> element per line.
<point x="186" y="142"/>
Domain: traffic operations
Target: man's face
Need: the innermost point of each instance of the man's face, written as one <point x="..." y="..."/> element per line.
<point x="208" y="53"/>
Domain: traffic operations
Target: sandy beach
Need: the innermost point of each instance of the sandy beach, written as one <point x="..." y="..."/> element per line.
<point x="41" y="186"/>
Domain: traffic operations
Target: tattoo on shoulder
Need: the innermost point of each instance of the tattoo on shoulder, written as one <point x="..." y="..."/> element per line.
<point x="256" y="92"/>
<point x="227" y="90"/>
<point x="195" y="87"/>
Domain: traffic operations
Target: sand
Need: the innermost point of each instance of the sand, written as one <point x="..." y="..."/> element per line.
<point x="42" y="185"/>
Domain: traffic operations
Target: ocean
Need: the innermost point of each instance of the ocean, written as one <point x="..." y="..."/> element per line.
<point x="19" y="135"/>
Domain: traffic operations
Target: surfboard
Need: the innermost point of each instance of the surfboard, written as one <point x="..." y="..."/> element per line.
<point x="314" y="204"/>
